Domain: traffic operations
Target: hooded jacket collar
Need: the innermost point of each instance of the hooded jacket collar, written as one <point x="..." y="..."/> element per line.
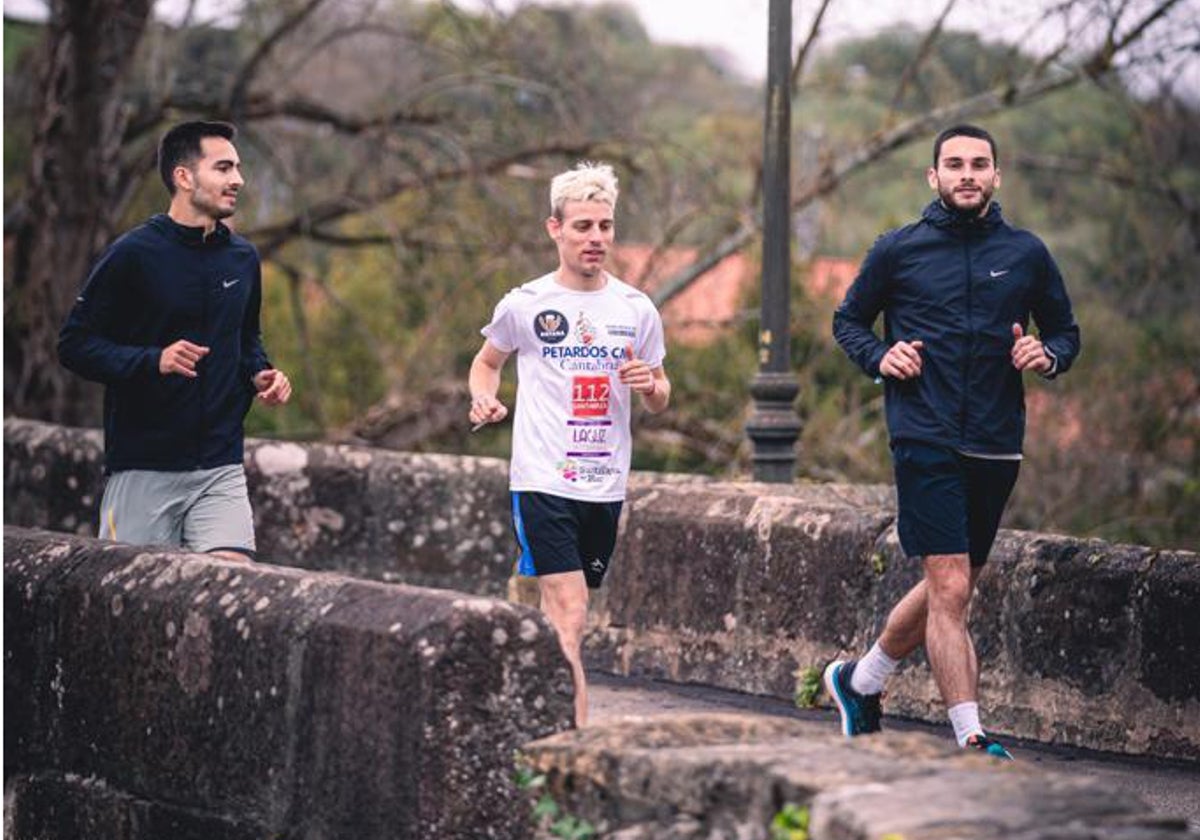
<point x="190" y="236"/>
<point x="941" y="216"/>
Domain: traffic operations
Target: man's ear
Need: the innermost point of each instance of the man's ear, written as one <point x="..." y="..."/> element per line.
<point x="553" y="227"/>
<point x="931" y="178"/>
<point x="183" y="176"/>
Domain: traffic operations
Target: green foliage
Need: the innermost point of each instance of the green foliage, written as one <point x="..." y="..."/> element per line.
<point x="790" y="823"/>
<point x="571" y="828"/>
<point x="546" y="815"/>
<point x="808" y="687"/>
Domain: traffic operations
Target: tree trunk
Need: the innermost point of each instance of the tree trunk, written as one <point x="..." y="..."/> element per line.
<point x="73" y="184"/>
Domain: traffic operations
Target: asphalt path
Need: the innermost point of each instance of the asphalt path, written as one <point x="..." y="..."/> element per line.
<point x="1170" y="788"/>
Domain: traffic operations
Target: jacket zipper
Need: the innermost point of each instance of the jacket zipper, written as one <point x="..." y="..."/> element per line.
<point x="205" y="291"/>
<point x="970" y="346"/>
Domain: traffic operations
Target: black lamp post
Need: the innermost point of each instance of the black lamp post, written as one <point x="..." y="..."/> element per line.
<point x="774" y="425"/>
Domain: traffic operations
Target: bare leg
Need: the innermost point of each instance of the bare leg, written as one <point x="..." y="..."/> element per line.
<point x="948" y="582"/>
<point x="236" y="556"/>
<point x="564" y="600"/>
<point x="905" y="628"/>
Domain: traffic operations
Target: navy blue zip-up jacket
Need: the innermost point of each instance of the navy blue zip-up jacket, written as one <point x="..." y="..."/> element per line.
<point x="958" y="284"/>
<point x="159" y="283"/>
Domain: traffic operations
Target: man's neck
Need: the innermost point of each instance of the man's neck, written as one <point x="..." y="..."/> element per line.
<point x="983" y="211"/>
<point x="580" y="283"/>
<point x="183" y="214"/>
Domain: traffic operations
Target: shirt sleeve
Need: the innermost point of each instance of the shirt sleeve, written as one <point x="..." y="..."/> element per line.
<point x="502" y="330"/>
<point x="89" y="342"/>
<point x="1055" y="319"/>
<point x="865" y="299"/>
<point x="652" y="348"/>
<point x="254" y="354"/>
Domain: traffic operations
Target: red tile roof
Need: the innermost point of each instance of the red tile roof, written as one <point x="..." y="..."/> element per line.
<point x="715" y="302"/>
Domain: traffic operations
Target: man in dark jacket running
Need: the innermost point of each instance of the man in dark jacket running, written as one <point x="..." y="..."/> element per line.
<point x="956" y="290"/>
<point x="168" y="320"/>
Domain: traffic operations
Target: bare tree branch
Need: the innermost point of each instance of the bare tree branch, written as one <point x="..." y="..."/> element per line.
<point x="806" y="47"/>
<point x="1031" y="87"/>
<point x="923" y="53"/>
<point x="1113" y="173"/>
<point x="241" y="82"/>
<point x="272" y="237"/>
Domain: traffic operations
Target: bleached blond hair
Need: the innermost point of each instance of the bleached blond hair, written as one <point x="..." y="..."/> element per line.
<point x="588" y="181"/>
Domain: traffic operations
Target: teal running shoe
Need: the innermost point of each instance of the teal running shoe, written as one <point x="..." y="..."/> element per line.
<point x="986" y="745"/>
<point x="860" y="712"/>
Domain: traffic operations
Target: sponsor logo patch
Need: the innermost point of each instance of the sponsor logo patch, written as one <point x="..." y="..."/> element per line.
<point x="550" y="326"/>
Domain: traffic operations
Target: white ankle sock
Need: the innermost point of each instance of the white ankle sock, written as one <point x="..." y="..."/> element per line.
<point x="964" y="717"/>
<point x="872" y="671"/>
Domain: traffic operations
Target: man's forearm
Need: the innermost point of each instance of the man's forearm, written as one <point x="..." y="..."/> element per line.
<point x="657" y="400"/>
<point x="483" y="380"/>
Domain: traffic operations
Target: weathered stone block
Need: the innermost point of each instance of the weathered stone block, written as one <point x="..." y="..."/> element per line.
<point x="812" y="577"/>
<point x="1168" y="598"/>
<point x="682" y="549"/>
<point x="427" y="520"/>
<point x="698" y="776"/>
<point x="1078" y="598"/>
<point x="53" y="476"/>
<point x="70" y="808"/>
<point x="313" y="705"/>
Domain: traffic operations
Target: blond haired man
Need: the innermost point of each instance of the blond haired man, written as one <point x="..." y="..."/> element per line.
<point x="585" y="343"/>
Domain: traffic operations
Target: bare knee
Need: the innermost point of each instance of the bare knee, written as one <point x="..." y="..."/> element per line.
<point x="565" y="605"/>
<point x="569" y="621"/>
<point x="949" y="581"/>
<point x="236" y="556"/>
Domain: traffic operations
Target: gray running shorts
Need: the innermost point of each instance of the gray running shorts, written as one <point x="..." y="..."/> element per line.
<point x="200" y="510"/>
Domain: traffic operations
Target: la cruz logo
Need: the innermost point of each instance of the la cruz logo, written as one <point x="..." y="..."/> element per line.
<point x="585" y="330"/>
<point x="550" y="326"/>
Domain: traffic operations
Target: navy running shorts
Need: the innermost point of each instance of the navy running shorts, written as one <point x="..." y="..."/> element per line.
<point x="564" y="535"/>
<point x="949" y="503"/>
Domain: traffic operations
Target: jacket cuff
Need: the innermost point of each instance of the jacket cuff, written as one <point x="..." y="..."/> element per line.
<point x="876" y="360"/>
<point x="1053" y="372"/>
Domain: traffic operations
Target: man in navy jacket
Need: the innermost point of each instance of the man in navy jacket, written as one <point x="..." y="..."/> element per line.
<point x="956" y="289"/>
<point x="168" y="320"/>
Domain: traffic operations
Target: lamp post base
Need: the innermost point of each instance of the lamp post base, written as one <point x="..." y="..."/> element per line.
<point x="774" y="426"/>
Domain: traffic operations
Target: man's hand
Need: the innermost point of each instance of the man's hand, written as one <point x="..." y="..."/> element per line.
<point x="636" y="373"/>
<point x="272" y="386"/>
<point x="1028" y="352"/>
<point x="486" y="409"/>
<point x="902" y="360"/>
<point x="181" y="357"/>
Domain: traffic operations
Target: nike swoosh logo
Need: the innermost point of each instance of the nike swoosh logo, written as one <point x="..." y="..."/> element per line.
<point x="233" y="282"/>
<point x="998" y="273"/>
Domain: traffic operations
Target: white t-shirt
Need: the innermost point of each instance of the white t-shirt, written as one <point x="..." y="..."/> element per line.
<point x="571" y="434"/>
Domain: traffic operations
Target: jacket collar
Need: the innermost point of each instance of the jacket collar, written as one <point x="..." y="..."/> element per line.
<point x="941" y="216"/>
<point x="191" y="236"/>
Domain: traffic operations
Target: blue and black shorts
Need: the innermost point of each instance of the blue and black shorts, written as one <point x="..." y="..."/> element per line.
<point x="564" y="535"/>
<point x="949" y="503"/>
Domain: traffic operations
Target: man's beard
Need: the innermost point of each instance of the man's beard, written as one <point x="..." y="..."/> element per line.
<point x="950" y="201"/>
<point x="211" y="208"/>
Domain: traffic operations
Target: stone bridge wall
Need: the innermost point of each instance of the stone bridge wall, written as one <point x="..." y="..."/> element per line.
<point x="735" y="585"/>
<point x="159" y="695"/>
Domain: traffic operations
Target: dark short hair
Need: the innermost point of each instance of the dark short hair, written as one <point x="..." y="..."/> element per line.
<point x="964" y="130"/>
<point x="180" y="146"/>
